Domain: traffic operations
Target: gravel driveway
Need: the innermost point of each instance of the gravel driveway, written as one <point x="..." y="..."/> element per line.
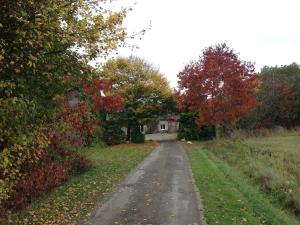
<point x="161" y="137"/>
<point x="160" y="191"/>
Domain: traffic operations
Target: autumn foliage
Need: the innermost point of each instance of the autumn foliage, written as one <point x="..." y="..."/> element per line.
<point x="145" y="90"/>
<point x="55" y="163"/>
<point x="80" y="124"/>
<point x="39" y="43"/>
<point x="219" y="86"/>
<point x="80" y="117"/>
<point x="98" y="93"/>
<point x="54" y="168"/>
<point x="282" y="94"/>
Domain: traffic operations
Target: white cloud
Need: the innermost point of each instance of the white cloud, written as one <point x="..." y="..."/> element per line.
<point x="262" y="31"/>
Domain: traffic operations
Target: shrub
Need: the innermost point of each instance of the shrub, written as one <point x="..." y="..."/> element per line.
<point x="189" y="130"/>
<point x="113" y="134"/>
<point x="98" y="135"/>
<point x="42" y="177"/>
<point x="78" y="163"/>
<point x="293" y="201"/>
<point x="80" y="124"/>
<point x="137" y="136"/>
<point x="39" y="178"/>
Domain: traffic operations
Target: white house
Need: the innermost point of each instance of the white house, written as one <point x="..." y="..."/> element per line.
<point x="168" y="124"/>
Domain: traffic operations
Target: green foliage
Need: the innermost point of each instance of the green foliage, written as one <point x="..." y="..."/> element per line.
<point x="278" y="94"/>
<point x="146" y="92"/>
<point x="113" y="134"/>
<point x="40" y="43"/>
<point x="98" y="135"/>
<point x="189" y="130"/>
<point x="136" y="135"/>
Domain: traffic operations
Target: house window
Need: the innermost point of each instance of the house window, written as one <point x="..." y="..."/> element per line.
<point x="163" y="126"/>
<point x="142" y="128"/>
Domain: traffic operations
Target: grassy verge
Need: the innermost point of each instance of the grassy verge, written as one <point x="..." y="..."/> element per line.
<point x="73" y="201"/>
<point x="228" y="197"/>
<point x="271" y="163"/>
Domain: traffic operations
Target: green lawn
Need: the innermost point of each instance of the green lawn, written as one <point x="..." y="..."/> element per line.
<point x="73" y="201"/>
<point x="228" y="196"/>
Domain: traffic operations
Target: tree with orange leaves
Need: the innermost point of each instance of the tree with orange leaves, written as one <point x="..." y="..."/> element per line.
<point x="219" y="86"/>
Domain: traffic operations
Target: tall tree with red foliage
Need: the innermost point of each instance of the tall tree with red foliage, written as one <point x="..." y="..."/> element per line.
<point x="219" y="86"/>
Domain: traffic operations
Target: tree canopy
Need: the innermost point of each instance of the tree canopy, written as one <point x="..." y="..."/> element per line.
<point x="44" y="50"/>
<point x="219" y="86"/>
<point x="278" y="94"/>
<point x="145" y="90"/>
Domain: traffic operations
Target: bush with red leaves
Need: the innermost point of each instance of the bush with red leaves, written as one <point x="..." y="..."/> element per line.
<point x="80" y="122"/>
<point x="82" y="118"/>
<point x="40" y="178"/>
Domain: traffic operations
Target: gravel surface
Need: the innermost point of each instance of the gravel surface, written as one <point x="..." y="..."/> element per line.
<point x="160" y="191"/>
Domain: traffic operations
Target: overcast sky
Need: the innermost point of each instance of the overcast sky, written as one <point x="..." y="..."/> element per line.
<point x="266" y="32"/>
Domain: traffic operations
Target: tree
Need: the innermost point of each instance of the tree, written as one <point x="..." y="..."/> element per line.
<point x="87" y="111"/>
<point x="113" y="133"/>
<point x="277" y="102"/>
<point x="189" y="130"/>
<point x="278" y="95"/>
<point x="219" y="86"/>
<point x="279" y="90"/>
<point x="44" y="50"/>
<point x="145" y="91"/>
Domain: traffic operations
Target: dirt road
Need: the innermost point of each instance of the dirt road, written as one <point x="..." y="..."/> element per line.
<point x="160" y="191"/>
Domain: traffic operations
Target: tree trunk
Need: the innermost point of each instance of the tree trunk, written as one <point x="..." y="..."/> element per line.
<point x="217" y="131"/>
<point x="128" y="132"/>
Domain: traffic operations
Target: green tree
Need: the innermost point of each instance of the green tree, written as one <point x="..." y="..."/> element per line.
<point x="44" y="50"/>
<point x="146" y="92"/>
<point x="278" y="93"/>
<point x="289" y="97"/>
<point x="189" y="130"/>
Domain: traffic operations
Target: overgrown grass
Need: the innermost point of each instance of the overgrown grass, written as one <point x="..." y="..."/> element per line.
<point x="228" y="197"/>
<point x="74" y="200"/>
<point x="271" y="163"/>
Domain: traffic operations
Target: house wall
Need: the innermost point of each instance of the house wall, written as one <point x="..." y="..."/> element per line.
<point x="173" y="126"/>
<point x="170" y="127"/>
<point x="160" y="123"/>
<point x="145" y="129"/>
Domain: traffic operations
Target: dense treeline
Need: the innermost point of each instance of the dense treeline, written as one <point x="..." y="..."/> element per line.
<point x="221" y="92"/>
<point x="279" y="97"/>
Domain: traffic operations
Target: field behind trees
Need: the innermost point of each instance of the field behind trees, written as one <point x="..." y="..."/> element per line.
<point x="267" y="163"/>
